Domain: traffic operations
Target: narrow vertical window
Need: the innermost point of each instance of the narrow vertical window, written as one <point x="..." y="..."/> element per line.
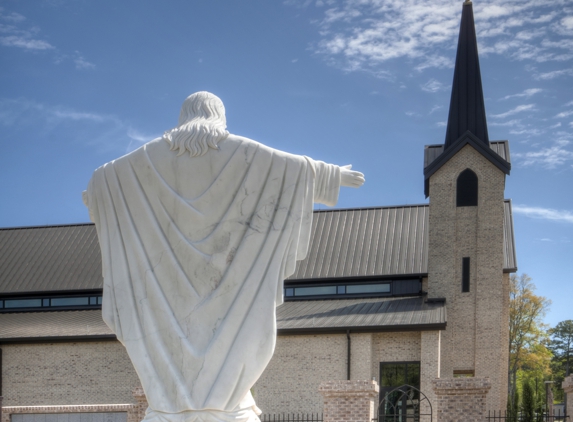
<point x="467" y="189"/>
<point x="465" y="275"/>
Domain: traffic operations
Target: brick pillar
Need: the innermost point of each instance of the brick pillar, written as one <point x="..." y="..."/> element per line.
<point x="349" y="401"/>
<point x="140" y="405"/>
<point x="568" y="389"/>
<point x="461" y="399"/>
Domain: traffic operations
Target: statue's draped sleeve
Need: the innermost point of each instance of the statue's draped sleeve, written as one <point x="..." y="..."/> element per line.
<point x="191" y="283"/>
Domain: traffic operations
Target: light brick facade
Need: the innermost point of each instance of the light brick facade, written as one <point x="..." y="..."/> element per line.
<point x="476" y="336"/>
<point x="300" y="363"/>
<point x="67" y="374"/>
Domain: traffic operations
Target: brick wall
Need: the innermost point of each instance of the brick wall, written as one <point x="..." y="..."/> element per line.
<point x="67" y="373"/>
<point x="300" y="363"/>
<point x="349" y="401"/>
<point x="567" y="386"/>
<point x="476" y="335"/>
<point x="461" y="399"/>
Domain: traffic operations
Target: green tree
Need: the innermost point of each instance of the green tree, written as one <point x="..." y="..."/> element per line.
<point x="561" y="344"/>
<point x="526" y="330"/>
<point x="527" y="402"/>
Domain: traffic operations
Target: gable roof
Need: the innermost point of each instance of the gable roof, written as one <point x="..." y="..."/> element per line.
<point x="345" y="243"/>
<point x="467" y="138"/>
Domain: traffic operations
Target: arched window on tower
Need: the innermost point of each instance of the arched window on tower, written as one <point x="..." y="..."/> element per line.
<point x="467" y="189"/>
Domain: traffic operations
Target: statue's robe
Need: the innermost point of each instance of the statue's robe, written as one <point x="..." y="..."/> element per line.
<point x="195" y="251"/>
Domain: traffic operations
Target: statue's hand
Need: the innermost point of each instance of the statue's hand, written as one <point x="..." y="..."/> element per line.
<point x="352" y="179"/>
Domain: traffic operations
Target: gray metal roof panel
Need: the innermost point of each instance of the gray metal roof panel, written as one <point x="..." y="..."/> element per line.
<point x="383" y="241"/>
<point x="364" y="314"/>
<point x="27" y="325"/>
<point x="366" y="242"/>
<point x="49" y="258"/>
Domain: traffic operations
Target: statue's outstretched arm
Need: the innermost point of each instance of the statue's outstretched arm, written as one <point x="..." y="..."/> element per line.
<point x="350" y="178"/>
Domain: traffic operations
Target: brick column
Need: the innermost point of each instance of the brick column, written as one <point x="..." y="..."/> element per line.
<point x="461" y="399"/>
<point x="349" y="401"/>
<point x="568" y="389"/>
<point x="140" y="407"/>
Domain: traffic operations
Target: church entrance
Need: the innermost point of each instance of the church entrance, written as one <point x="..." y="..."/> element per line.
<point x="400" y="395"/>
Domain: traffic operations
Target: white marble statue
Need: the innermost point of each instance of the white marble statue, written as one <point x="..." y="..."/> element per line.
<point x="198" y="229"/>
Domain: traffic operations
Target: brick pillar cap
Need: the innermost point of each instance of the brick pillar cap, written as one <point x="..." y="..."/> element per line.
<point x="567" y="384"/>
<point x="349" y="388"/>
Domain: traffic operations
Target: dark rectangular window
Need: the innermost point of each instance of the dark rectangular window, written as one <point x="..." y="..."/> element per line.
<point x="315" y="291"/>
<point x="70" y="301"/>
<point x="368" y="288"/>
<point x="23" y="303"/>
<point x="341" y="290"/>
<point x="465" y="275"/>
<point x="45" y="302"/>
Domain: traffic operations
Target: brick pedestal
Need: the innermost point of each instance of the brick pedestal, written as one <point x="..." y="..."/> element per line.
<point x="461" y="399"/>
<point x="140" y="406"/>
<point x="349" y="401"/>
<point x="568" y="389"/>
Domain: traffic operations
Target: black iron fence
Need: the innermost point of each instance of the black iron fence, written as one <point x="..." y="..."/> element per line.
<point x="291" y="417"/>
<point x="538" y="417"/>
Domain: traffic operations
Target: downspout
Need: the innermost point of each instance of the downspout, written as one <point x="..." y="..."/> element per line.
<point x="348" y="355"/>
<point x="0" y="384"/>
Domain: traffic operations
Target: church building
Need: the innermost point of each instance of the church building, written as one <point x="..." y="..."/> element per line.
<point x="399" y="294"/>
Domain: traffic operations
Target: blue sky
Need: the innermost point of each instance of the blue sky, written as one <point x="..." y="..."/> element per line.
<point x="365" y="82"/>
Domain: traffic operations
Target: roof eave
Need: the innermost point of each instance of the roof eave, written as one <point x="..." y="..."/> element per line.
<point x="361" y="329"/>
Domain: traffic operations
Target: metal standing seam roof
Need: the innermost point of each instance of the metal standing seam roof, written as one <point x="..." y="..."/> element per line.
<point x="385" y="241"/>
<point x="53" y="325"/>
<point x="50" y="258"/>
<point x="376" y="314"/>
<point x="367" y="242"/>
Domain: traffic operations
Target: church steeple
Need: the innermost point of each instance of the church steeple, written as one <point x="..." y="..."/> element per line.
<point x="466" y="120"/>
<point x="467" y="109"/>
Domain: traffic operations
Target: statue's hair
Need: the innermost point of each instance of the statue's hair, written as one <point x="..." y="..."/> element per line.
<point x="202" y="125"/>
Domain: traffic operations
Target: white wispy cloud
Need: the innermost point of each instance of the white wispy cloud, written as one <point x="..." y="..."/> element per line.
<point x="518" y="109"/>
<point x="82" y="63"/>
<point x="26" y="42"/>
<point x="548" y="157"/>
<point x="564" y="114"/>
<point x="554" y="74"/>
<point x="105" y="132"/>
<point x="15" y="34"/>
<point x="433" y="86"/>
<point x="363" y="35"/>
<point x="525" y="94"/>
<point x="544" y="213"/>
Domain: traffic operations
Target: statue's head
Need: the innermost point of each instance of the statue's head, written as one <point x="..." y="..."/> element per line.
<point x="202" y="124"/>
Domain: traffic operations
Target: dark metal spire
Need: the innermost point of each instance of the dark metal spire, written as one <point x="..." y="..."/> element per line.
<point x="467" y="109"/>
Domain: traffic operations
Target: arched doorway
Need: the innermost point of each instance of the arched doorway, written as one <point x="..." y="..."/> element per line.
<point x="405" y="404"/>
